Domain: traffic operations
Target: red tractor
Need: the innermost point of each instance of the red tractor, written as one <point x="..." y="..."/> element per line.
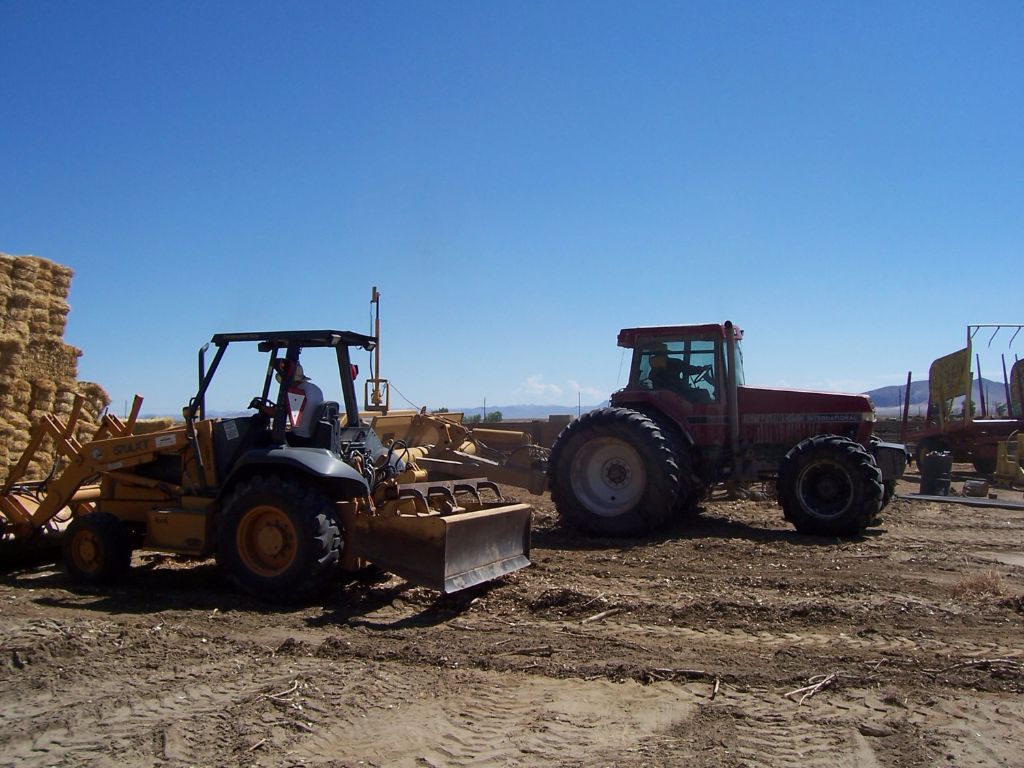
<point x="686" y="422"/>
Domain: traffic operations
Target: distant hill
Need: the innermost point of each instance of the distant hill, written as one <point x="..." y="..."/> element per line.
<point x="886" y="397"/>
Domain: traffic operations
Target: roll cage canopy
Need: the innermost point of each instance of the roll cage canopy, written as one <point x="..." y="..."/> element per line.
<point x="269" y="340"/>
<point x="292" y="342"/>
<point x="628" y="336"/>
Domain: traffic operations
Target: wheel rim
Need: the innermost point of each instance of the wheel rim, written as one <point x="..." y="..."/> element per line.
<point x="608" y="476"/>
<point x="87" y="552"/>
<point x="266" y="541"/>
<point x="825" y="489"/>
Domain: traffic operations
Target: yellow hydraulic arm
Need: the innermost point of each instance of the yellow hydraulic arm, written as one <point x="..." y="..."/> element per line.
<point x="113" y="447"/>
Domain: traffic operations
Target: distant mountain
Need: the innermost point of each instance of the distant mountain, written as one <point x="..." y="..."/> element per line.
<point x="892" y="396"/>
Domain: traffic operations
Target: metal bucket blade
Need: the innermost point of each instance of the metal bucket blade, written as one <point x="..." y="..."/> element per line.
<point x="448" y="553"/>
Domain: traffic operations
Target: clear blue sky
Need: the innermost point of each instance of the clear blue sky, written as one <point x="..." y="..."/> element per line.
<point x="521" y="179"/>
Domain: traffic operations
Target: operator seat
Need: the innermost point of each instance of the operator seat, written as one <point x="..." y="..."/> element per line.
<point x="326" y="430"/>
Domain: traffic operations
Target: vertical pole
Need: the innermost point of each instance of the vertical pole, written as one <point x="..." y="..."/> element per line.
<point x="1006" y="388"/>
<point x="732" y="404"/>
<point x="375" y="396"/>
<point x="906" y="411"/>
<point x="981" y="389"/>
<point x="202" y="378"/>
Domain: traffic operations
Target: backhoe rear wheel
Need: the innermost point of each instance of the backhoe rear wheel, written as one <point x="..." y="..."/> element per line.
<point x="830" y="486"/>
<point x="614" y="473"/>
<point x="96" y="548"/>
<point x="277" y="538"/>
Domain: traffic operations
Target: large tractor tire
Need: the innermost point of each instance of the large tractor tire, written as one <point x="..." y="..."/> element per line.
<point x="614" y="473"/>
<point x="277" y="538"/>
<point x="692" y="489"/>
<point x="830" y="486"/>
<point x="96" y="548"/>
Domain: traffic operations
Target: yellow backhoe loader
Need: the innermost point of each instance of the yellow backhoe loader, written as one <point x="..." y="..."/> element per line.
<point x="279" y="510"/>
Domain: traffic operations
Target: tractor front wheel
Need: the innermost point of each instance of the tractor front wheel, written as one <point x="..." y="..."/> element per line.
<point x="830" y="486"/>
<point x="96" y="548"/>
<point x="614" y="473"/>
<point x="277" y="538"/>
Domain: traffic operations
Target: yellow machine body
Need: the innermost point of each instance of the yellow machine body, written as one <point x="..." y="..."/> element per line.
<point x="1010" y="462"/>
<point x="441" y="444"/>
<point x="436" y="534"/>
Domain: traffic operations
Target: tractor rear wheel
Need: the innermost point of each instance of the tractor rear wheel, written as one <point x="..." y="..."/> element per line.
<point x="614" y="473"/>
<point x="692" y="488"/>
<point x="830" y="486"/>
<point x="278" y="538"/>
<point x="96" y="548"/>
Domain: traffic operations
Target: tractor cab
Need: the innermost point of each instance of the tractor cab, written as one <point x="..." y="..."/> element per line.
<point x="688" y="360"/>
<point x="287" y="412"/>
<point x="682" y="372"/>
<point x="277" y="399"/>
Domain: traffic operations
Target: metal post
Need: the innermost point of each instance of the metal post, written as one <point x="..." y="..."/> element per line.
<point x="375" y="397"/>
<point x="981" y="389"/>
<point x="906" y="411"/>
<point x="732" y="404"/>
<point x="1006" y="388"/>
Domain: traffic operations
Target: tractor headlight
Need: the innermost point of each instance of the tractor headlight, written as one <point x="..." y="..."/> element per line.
<point x="869" y="415"/>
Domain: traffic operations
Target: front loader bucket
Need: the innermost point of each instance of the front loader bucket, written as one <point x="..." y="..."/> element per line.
<point x="447" y="552"/>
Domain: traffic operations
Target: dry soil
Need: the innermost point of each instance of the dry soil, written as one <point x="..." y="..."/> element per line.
<point x="705" y="647"/>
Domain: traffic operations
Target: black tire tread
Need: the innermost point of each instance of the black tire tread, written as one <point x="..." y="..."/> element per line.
<point x="660" y="499"/>
<point x="866" y="509"/>
<point x="313" y="515"/>
<point x="114" y="540"/>
<point x="692" y="489"/>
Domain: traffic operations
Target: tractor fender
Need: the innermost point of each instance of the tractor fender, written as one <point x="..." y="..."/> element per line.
<point x="325" y="468"/>
<point x="891" y="459"/>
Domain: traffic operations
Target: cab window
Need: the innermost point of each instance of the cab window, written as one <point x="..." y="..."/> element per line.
<point x="687" y="368"/>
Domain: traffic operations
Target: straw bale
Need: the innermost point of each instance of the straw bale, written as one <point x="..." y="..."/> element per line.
<point x="145" y="426"/>
<point x="38" y="371"/>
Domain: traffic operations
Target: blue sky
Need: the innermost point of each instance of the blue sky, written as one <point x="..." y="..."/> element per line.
<point x="521" y="180"/>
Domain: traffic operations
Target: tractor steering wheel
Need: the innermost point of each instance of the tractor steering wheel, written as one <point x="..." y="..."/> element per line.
<point x="264" y="406"/>
<point x="704" y="375"/>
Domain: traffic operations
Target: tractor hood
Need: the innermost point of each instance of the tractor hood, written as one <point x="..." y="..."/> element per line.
<point x="789" y="415"/>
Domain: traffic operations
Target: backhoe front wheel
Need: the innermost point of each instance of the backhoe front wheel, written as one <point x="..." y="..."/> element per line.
<point x="830" y="486"/>
<point x="614" y="473"/>
<point x="96" y="548"/>
<point x="278" y="539"/>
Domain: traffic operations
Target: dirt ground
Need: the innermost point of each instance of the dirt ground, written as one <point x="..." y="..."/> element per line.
<point x="701" y="648"/>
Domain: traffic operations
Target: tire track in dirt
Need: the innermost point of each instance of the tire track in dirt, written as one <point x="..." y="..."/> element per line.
<point x="770" y="739"/>
<point x="972" y="725"/>
<point x="773" y="731"/>
<point x="874" y="642"/>
<point x="421" y="716"/>
<point x="172" y="708"/>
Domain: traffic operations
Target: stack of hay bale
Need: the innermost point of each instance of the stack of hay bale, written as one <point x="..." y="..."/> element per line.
<point x="38" y="371"/>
